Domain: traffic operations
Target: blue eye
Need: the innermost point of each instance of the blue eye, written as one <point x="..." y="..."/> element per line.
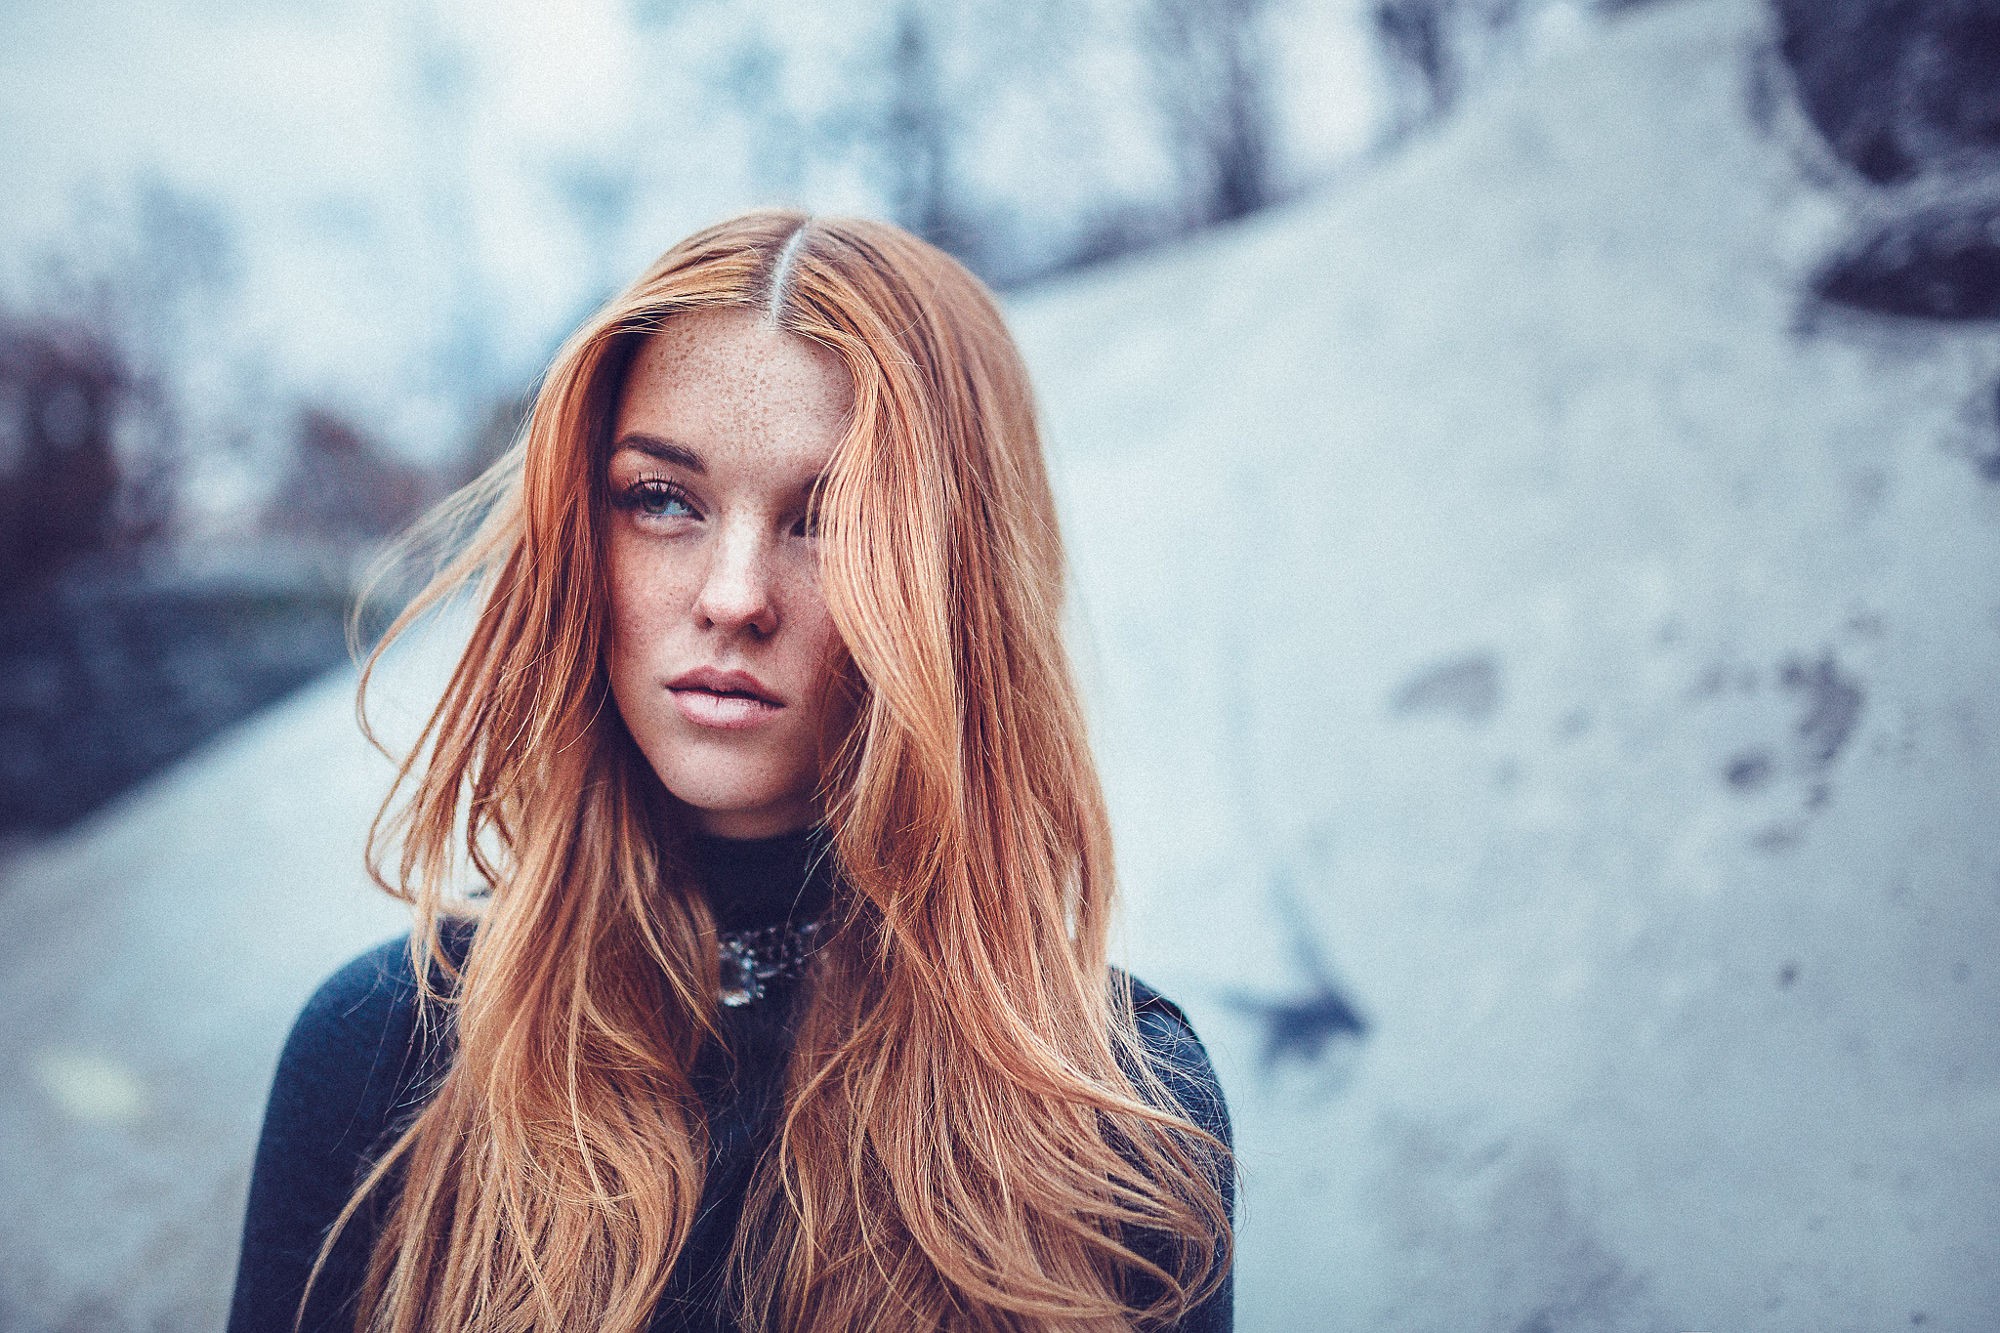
<point x="657" y="499"/>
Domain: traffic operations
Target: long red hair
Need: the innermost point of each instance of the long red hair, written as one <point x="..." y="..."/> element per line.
<point x="971" y="1136"/>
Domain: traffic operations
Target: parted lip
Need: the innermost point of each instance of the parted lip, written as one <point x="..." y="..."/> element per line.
<point x="725" y="682"/>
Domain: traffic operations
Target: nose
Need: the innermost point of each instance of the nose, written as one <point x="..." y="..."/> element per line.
<point x="737" y="591"/>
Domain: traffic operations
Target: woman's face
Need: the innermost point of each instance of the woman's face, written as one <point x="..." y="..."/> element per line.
<point x="719" y="635"/>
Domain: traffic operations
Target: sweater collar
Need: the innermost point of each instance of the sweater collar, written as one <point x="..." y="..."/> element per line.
<point x="752" y="883"/>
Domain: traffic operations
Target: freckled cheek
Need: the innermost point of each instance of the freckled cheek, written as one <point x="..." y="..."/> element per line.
<point x="813" y="633"/>
<point x="819" y="656"/>
<point x="647" y="604"/>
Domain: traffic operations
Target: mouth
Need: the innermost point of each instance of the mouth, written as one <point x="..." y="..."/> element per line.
<point x="726" y="700"/>
<point x="724" y="711"/>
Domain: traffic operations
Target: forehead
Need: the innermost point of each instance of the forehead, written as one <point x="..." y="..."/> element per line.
<point x="738" y="392"/>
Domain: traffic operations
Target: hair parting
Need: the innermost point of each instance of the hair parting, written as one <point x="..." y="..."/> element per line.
<point x="779" y="286"/>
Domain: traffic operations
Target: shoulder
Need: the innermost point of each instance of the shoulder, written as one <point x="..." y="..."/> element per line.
<point x="356" y="1051"/>
<point x="346" y="1050"/>
<point x="1164" y="1029"/>
<point x="356" y="1061"/>
<point x="1180" y="1062"/>
<point x="375" y="987"/>
<point x="1176" y="1055"/>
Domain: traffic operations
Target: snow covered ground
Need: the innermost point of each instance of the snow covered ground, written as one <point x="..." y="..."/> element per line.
<point x="1489" y="576"/>
<point x="1488" y="563"/>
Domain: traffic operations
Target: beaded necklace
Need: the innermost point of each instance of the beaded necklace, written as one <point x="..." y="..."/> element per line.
<point x="771" y="897"/>
<point x="751" y="958"/>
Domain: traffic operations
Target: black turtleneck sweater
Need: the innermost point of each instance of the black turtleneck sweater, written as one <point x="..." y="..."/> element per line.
<point x="356" y="1068"/>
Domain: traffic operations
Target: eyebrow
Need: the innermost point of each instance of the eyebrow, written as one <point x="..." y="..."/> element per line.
<point x="664" y="450"/>
<point x="667" y="451"/>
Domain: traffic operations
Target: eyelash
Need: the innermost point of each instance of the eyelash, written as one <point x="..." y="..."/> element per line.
<point x="634" y="496"/>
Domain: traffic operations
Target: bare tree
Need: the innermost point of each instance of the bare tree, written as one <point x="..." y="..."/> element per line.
<point x="1436" y="50"/>
<point x="1212" y="75"/>
<point x="61" y="391"/>
<point x="917" y="131"/>
<point x="915" y="117"/>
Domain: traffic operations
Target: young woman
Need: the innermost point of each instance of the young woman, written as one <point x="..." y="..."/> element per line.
<point x="782" y="998"/>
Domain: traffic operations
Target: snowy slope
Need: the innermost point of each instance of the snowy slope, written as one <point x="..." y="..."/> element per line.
<point x="1482" y="563"/>
<point x="1446" y="552"/>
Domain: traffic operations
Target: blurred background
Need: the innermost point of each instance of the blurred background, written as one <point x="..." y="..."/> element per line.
<point x="1532" y="476"/>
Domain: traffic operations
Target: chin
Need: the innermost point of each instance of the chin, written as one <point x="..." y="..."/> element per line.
<point x="751" y="821"/>
<point x="727" y="803"/>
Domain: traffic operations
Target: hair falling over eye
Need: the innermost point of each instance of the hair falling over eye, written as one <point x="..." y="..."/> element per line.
<point x="970" y="1137"/>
